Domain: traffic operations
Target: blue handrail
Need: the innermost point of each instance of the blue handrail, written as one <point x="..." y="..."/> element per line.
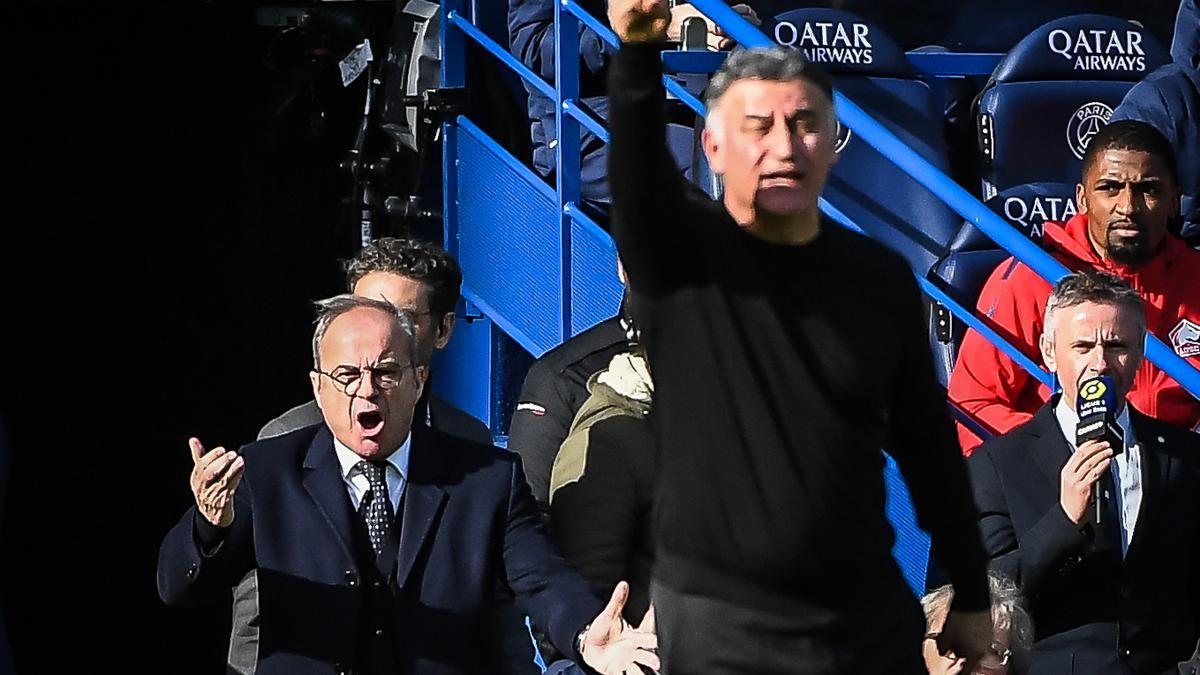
<point x="946" y="189"/>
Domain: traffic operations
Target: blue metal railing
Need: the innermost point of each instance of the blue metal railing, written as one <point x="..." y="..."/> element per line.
<point x="946" y="189"/>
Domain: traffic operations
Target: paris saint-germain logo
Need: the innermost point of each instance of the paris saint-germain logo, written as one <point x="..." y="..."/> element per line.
<point x="1085" y="123"/>
<point x="843" y="137"/>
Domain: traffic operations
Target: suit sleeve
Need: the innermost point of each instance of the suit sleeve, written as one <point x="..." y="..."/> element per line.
<point x="548" y="589"/>
<point x="923" y="445"/>
<point x="985" y="381"/>
<point x="539" y="425"/>
<point x="1032" y="560"/>
<point x="190" y="572"/>
<point x="595" y="517"/>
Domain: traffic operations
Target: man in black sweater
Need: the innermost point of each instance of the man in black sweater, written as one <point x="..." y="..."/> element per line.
<point x="773" y="549"/>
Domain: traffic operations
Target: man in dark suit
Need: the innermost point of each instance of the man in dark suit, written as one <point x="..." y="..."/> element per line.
<point x="378" y="541"/>
<point x="424" y="279"/>
<point x="1121" y="595"/>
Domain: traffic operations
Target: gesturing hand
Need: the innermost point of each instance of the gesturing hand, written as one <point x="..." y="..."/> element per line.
<point x="613" y="647"/>
<point x="1081" y="471"/>
<point x="215" y="477"/>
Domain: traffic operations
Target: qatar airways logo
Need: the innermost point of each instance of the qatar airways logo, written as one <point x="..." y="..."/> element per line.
<point x="1099" y="49"/>
<point x="1031" y="214"/>
<point x="827" y="41"/>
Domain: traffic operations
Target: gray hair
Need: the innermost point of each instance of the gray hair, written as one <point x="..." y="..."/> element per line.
<point x="1008" y="614"/>
<point x="1096" y="287"/>
<point x="330" y="309"/>
<point x="771" y="64"/>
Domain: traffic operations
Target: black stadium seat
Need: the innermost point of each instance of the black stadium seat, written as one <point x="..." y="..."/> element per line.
<point x="871" y="70"/>
<point x="973" y="256"/>
<point x="1052" y="92"/>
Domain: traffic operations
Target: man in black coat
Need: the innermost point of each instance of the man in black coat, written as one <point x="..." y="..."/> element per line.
<point x="1121" y="595"/>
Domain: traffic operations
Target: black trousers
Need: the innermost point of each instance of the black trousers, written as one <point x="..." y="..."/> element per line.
<point x="709" y="636"/>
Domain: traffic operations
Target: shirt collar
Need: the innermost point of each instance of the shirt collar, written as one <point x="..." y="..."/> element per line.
<point x="348" y="459"/>
<point x="1068" y="419"/>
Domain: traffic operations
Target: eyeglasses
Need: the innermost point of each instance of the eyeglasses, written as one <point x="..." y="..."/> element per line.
<point x="348" y="379"/>
<point x="994" y="661"/>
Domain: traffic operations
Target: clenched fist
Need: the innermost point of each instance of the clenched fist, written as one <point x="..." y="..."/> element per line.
<point x="639" y="20"/>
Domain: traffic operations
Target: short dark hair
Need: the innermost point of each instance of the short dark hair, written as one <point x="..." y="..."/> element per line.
<point x="772" y="64"/>
<point x="420" y="260"/>
<point x="1095" y="287"/>
<point x="1131" y="135"/>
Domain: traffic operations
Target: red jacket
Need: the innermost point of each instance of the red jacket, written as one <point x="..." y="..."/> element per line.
<point x="1002" y="395"/>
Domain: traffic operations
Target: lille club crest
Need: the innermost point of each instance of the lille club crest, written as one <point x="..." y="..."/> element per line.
<point x="1185" y="338"/>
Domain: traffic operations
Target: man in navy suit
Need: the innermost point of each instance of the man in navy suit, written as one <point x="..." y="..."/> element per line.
<point x="377" y="542"/>
<point x="1121" y="595"/>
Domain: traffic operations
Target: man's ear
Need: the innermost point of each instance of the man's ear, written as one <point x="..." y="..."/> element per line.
<point x="420" y="376"/>
<point x="315" y="379"/>
<point x="444" y="329"/>
<point x="1046" y="346"/>
<point x="1080" y="199"/>
<point x="712" y="143"/>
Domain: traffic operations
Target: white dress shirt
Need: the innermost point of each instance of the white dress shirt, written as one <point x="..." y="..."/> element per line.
<point x="356" y="481"/>
<point x="1126" y="468"/>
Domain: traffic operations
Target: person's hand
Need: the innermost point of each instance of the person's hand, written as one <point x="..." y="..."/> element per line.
<point x="1082" y="470"/>
<point x="966" y="638"/>
<point x="717" y="39"/>
<point x="613" y="647"/>
<point x="639" y="20"/>
<point x="215" y="477"/>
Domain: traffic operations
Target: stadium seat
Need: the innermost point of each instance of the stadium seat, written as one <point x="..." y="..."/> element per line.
<point x="873" y="72"/>
<point x="1052" y="92"/>
<point x="973" y="256"/>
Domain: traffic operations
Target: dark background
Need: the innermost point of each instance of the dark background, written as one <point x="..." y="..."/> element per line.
<point x="172" y="204"/>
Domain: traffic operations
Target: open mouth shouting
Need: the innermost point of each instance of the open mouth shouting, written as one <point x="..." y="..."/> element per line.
<point x="368" y="422"/>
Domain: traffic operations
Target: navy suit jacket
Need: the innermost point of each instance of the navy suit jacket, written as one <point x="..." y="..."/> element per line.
<point x="1094" y="612"/>
<point x="467" y="517"/>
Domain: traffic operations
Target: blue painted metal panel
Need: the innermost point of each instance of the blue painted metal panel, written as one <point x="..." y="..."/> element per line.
<point x="595" y="289"/>
<point x="911" y="549"/>
<point x="507" y="236"/>
<point x="463" y="371"/>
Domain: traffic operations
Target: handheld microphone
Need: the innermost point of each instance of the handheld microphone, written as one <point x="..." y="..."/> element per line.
<point x="1096" y="404"/>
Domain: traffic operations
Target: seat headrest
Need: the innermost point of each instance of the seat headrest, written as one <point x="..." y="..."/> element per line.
<point x="1025" y="207"/>
<point x="844" y="44"/>
<point x="1083" y="47"/>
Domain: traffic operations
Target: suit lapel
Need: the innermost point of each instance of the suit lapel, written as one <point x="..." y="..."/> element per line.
<point x="323" y="482"/>
<point x="1156" y="467"/>
<point x="423" y="499"/>
<point x="1052" y="448"/>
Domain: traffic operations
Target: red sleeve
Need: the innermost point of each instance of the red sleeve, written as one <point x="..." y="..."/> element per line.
<point x="985" y="381"/>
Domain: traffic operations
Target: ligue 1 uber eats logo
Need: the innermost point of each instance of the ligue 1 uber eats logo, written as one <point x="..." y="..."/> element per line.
<point x="1097" y="49"/>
